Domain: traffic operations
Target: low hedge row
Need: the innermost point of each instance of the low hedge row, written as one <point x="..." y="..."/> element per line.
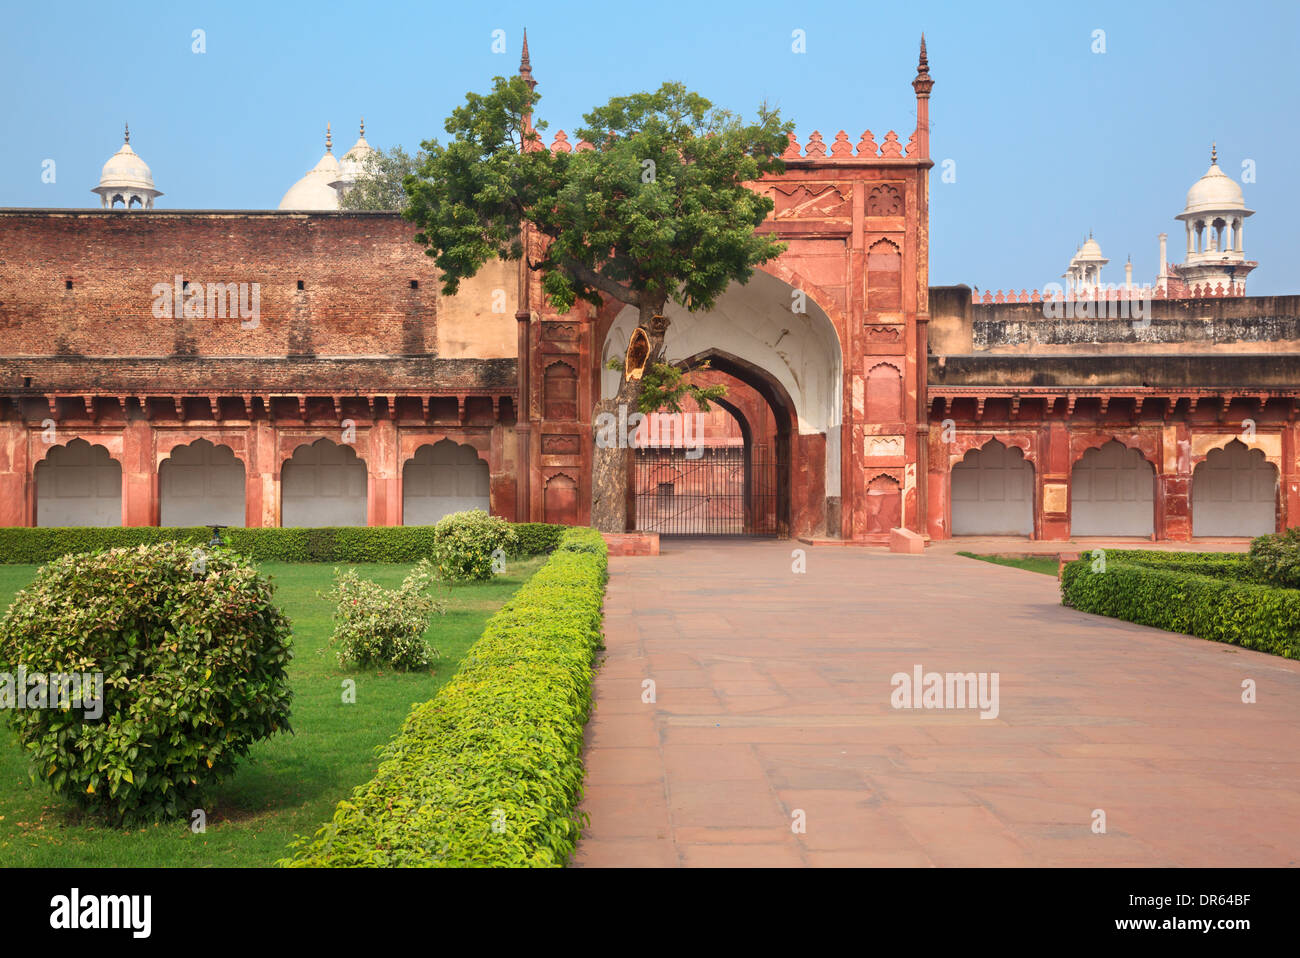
<point x="343" y="544"/>
<point x="489" y="772"/>
<point x="1222" y="609"/>
<point x="1222" y="565"/>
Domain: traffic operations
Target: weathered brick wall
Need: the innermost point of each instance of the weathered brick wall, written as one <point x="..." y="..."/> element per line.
<point x="1240" y="324"/>
<point x="356" y="270"/>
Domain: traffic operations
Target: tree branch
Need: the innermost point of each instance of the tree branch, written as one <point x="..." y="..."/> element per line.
<point x="605" y="285"/>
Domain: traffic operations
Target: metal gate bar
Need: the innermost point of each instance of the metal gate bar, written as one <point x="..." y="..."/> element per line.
<point x="720" y="493"/>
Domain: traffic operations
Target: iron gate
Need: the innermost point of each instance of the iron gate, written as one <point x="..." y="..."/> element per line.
<point x="722" y="492"/>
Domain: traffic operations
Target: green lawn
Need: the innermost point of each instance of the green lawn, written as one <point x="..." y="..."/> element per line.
<point x="290" y="784"/>
<point x="1047" y="565"/>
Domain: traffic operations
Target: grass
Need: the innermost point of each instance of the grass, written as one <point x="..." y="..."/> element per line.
<point x="1047" y="565"/>
<point x="290" y="784"/>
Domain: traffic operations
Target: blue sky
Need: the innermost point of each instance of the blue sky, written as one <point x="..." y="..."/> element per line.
<point x="1049" y="139"/>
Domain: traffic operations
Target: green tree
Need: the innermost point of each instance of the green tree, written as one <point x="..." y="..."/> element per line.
<point x="380" y="186"/>
<point x="657" y="210"/>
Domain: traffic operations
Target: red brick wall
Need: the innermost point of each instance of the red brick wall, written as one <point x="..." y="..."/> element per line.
<point x="356" y="271"/>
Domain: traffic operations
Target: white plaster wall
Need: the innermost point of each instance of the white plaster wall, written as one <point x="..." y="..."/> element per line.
<point x="993" y="493"/>
<point x="442" y="479"/>
<point x="78" y="485"/>
<point x="324" y="484"/>
<point x="1112" y="493"/>
<point x="1234" y="493"/>
<point x="201" y="485"/>
<point x="754" y="322"/>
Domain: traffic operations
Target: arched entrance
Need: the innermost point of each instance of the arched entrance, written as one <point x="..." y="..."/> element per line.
<point x="780" y="346"/>
<point x="725" y="472"/>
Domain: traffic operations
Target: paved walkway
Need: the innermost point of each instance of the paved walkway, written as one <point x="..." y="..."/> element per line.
<point x="773" y="699"/>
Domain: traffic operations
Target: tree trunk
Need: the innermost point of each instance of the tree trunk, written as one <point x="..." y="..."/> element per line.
<point x="609" y="467"/>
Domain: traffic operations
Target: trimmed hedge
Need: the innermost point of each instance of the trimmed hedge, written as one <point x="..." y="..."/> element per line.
<point x="489" y="772"/>
<point x="1219" y="565"/>
<point x="1169" y="596"/>
<point x="20" y="544"/>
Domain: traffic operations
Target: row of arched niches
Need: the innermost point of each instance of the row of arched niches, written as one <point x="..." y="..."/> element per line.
<point x="322" y="484"/>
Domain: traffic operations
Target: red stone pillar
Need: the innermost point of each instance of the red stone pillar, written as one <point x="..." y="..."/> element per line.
<point x="1053" y="474"/>
<point x="939" y="486"/>
<point x="384" y="492"/>
<point x="1290" y="478"/>
<point x="1174" y="485"/>
<point x="262" y="477"/>
<point x="15" y="475"/>
<point x="139" y="476"/>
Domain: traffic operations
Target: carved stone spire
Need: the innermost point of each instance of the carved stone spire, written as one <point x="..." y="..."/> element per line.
<point x="923" y="84"/>
<point x="526" y="65"/>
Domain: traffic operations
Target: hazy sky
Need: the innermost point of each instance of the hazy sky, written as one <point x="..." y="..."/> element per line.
<point x="1049" y="139"/>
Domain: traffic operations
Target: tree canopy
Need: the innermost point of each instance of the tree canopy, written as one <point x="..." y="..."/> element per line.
<point x="656" y="210"/>
<point x="381" y="184"/>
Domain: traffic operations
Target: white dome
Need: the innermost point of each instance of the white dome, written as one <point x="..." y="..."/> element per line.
<point x="313" y="191"/>
<point x="1090" y="251"/>
<point x="1214" y="191"/>
<point x="125" y="170"/>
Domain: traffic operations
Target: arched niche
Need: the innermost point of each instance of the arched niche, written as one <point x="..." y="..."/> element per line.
<point x="443" y="478"/>
<point x="560" y="500"/>
<point x="1234" y="493"/>
<point x="78" y="485"/>
<point x="884" y="505"/>
<point x="993" y="492"/>
<point x="1112" y="493"/>
<point x="323" y="484"/>
<point x="201" y="484"/>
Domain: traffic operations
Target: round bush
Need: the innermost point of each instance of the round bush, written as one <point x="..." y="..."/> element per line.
<point x="467" y="544"/>
<point x="191" y="653"/>
<point x="1275" y="559"/>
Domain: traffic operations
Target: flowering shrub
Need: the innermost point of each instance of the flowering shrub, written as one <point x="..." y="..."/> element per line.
<point x="374" y="626"/>
<point x="465" y="544"/>
<point x="192" y="654"/>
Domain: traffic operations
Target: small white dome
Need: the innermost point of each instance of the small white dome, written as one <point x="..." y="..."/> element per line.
<point x="1089" y="252"/>
<point x="126" y="178"/>
<point x="125" y="169"/>
<point x="1214" y="191"/>
<point x="313" y="191"/>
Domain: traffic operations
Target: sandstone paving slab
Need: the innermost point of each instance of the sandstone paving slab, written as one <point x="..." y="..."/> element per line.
<point x="773" y="699"/>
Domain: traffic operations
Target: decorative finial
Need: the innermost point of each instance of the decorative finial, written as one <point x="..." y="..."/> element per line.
<point x="363" y="128"/>
<point x="329" y="139"/>
<point x="127" y="135"/>
<point x="526" y="64"/>
<point x="923" y="84"/>
<point x="1214" y="154"/>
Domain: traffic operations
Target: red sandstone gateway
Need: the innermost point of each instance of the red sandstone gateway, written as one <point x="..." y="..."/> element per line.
<point x="860" y="400"/>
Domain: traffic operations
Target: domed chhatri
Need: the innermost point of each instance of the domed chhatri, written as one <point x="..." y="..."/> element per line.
<point x="1214" y="218"/>
<point x="1215" y="191"/>
<point x="315" y="190"/>
<point x="126" y="179"/>
<point x="1084" y="271"/>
